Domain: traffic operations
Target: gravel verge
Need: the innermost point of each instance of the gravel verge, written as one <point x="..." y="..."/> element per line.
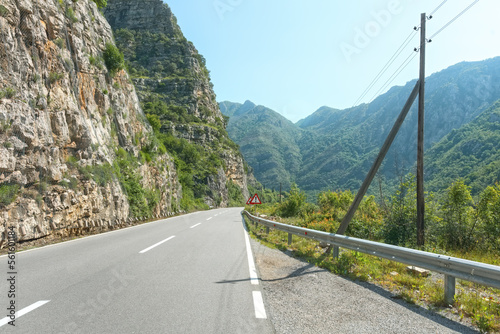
<point x="302" y="298"/>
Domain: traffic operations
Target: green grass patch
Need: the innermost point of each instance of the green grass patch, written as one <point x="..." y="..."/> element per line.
<point x="482" y="308"/>
<point x="72" y="161"/>
<point x="54" y="77"/>
<point x="142" y="201"/>
<point x="101" y="3"/>
<point x="8" y="93"/>
<point x="8" y="193"/>
<point x="101" y="174"/>
<point x="3" y="11"/>
<point x="60" y="43"/>
<point x="235" y="195"/>
<point x="70" y="13"/>
<point x="70" y="183"/>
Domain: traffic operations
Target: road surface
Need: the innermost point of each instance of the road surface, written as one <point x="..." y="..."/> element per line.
<point x="186" y="274"/>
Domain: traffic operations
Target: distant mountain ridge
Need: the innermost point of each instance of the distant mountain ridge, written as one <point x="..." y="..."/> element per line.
<point x="268" y="141"/>
<point x="335" y="148"/>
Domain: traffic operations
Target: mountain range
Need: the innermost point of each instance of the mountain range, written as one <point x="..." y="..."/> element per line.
<point x="334" y="149"/>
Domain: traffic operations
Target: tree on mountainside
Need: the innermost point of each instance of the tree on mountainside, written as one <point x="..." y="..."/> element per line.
<point x="458" y="216"/>
<point x="400" y="224"/>
<point x="113" y="58"/>
<point x="489" y="213"/>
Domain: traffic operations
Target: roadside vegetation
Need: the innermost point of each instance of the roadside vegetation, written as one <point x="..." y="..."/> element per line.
<point x="457" y="225"/>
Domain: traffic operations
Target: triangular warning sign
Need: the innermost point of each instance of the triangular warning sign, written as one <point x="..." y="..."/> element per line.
<point x="255" y="200"/>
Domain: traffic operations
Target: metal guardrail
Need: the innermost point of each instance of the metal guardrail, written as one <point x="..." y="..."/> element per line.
<point x="451" y="267"/>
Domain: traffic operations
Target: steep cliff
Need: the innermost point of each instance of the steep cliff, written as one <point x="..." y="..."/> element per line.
<point x="174" y="86"/>
<point x="75" y="146"/>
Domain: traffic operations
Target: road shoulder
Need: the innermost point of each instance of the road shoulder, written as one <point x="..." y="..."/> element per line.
<point x="302" y="298"/>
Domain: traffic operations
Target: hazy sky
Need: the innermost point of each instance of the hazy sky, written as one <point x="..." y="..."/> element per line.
<point x="296" y="56"/>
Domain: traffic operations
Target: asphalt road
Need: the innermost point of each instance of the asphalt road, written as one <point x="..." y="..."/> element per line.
<point x="187" y="274"/>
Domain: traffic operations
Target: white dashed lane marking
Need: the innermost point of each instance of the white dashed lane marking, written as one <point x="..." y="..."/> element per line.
<point x="155" y="245"/>
<point x="25" y="310"/>
<point x="258" y="304"/>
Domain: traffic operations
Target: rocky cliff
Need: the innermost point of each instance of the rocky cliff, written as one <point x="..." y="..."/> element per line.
<point x="75" y="147"/>
<point x="174" y="86"/>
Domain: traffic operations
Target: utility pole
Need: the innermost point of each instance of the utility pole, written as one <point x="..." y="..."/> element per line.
<point x="378" y="161"/>
<point x="420" y="145"/>
<point x="419" y="90"/>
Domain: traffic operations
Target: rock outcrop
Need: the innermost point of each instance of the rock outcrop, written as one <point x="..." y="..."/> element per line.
<point x="168" y="70"/>
<point x="73" y="136"/>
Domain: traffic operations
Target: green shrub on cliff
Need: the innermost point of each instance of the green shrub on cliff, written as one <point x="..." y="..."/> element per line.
<point x="113" y="59"/>
<point x="101" y="3"/>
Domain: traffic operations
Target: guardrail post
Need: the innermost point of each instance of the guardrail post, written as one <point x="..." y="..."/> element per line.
<point x="336" y="251"/>
<point x="449" y="289"/>
<point x="290" y="235"/>
<point x="267" y="229"/>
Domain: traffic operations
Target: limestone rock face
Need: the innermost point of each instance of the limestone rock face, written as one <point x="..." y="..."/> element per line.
<point x="141" y="15"/>
<point x="173" y="67"/>
<point x="63" y="120"/>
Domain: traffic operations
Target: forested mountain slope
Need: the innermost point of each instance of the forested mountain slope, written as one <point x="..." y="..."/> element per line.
<point x="454" y="97"/>
<point x="471" y="152"/>
<point x="268" y="141"/>
<point x="337" y="147"/>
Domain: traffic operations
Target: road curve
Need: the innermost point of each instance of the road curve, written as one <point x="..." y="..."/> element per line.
<point x="186" y="274"/>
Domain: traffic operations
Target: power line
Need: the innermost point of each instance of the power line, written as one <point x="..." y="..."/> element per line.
<point x="437" y="8"/>
<point x="400" y="69"/>
<point x="386" y="66"/>
<point x="407" y="61"/>
<point x="453" y="20"/>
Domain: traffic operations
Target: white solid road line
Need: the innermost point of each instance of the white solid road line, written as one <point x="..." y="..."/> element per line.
<point x="157" y="244"/>
<point x="25" y="310"/>
<point x="258" y="304"/>
<point x="254" y="279"/>
<point x="258" y="301"/>
<point x="195" y="225"/>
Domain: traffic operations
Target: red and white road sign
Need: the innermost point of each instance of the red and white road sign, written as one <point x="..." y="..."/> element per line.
<point x="254" y="200"/>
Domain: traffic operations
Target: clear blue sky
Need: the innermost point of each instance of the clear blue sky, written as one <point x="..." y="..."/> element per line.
<point x="296" y="56"/>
